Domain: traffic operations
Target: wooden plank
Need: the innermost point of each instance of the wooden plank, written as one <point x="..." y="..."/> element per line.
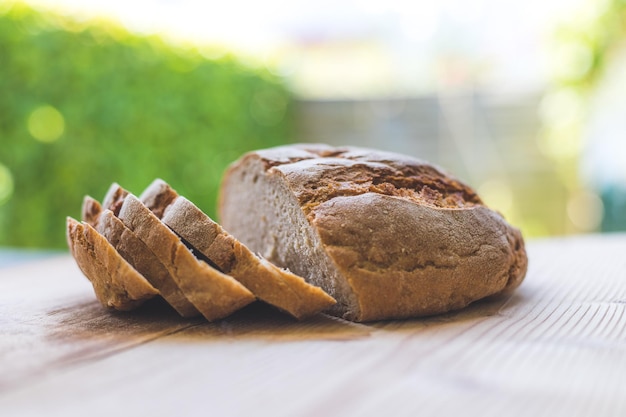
<point x="557" y="347"/>
<point x="49" y="318"/>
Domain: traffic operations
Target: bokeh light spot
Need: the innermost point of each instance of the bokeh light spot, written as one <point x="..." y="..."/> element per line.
<point x="561" y="144"/>
<point x="46" y="124"/>
<point x="573" y="60"/>
<point x="585" y="210"/>
<point x="561" y="108"/>
<point x="6" y="184"/>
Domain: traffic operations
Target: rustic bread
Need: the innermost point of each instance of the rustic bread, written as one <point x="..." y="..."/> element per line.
<point x="116" y="283"/>
<point x="134" y="251"/>
<point x="280" y="288"/>
<point x="213" y="293"/>
<point x="388" y="236"/>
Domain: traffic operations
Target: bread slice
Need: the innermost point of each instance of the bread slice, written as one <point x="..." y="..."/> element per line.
<point x="280" y="288"/>
<point x="213" y="293"/>
<point x="158" y="196"/>
<point x="116" y="283"/>
<point x="114" y="198"/>
<point x="388" y="236"/>
<point x="134" y="251"/>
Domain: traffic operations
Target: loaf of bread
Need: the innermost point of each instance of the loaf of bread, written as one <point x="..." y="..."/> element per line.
<point x="388" y="236"/>
<point x="279" y="288"/>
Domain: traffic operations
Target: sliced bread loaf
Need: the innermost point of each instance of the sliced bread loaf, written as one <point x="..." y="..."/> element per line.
<point x="213" y="293"/>
<point x="278" y="287"/>
<point x="388" y="236"/>
<point x="135" y="252"/>
<point x="116" y="283"/>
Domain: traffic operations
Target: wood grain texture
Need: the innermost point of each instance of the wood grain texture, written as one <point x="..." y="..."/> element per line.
<point x="557" y="347"/>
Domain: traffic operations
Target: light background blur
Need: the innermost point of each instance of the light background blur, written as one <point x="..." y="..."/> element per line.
<point x="525" y="101"/>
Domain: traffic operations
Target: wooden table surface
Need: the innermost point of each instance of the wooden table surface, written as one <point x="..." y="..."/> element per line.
<point x="557" y="347"/>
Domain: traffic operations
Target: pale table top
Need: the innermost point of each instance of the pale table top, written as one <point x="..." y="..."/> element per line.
<point x="557" y="347"/>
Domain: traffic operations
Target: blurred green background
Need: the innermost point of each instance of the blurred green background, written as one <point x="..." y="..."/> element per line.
<point x="83" y="105"/>
<point x="522" y="101"/>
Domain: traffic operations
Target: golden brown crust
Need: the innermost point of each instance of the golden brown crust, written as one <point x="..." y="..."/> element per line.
<point x="213" y="293"/>
<point x="116" y="283"/>
<point x="404" y="260"/>
<point x="402" y="237"/>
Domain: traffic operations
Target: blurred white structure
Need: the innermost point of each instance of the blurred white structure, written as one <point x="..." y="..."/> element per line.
<point x="357" y="48"/>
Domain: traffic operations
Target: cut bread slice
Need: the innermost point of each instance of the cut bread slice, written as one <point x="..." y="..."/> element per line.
<point x="114" y="198"/>
<point x="213" y="293"/>
<point x="157" y="196"/>
<point x="116" y="283"/>
<point x="134" y="251"/>
<point x="278" y="287"/>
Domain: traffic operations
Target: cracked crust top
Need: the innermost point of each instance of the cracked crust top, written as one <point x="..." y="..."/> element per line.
<point x="326" y="173"/>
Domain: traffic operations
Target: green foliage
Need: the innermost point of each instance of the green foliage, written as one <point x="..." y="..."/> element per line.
<point x="591" y="39"/>
<point x="84" y="105"/>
